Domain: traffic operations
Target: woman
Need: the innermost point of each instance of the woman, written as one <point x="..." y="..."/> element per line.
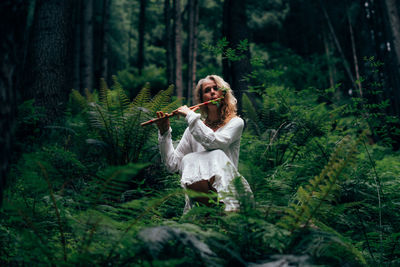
<point x="208" y="153"/>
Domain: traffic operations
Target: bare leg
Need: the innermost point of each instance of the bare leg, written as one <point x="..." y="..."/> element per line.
<point x="204" y="186"/>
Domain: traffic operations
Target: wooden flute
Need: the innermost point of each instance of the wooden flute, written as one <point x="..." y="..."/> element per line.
<point x="175" y="112"/>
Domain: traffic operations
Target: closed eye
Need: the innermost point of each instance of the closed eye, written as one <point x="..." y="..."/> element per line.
<point x="208" y="89"/>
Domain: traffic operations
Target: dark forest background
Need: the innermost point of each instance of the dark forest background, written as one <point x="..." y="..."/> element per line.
<point x="317" y="83"/>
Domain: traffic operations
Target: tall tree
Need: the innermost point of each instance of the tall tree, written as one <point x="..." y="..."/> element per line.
<point x="104" y="38"/>
<point x="328" y="54"/>
<point x="192" y="49"/>
<point x="392" y="8"/>
<point x="235" y="30"/>
<point x="13" y="28"/>
<point x="87" y="61"/>
<point x="337" y="44"/>
<point x="142" y="24"/>
<point x="178" y="48"/>
<point x="168" y="43"/>
<point x="77" y="45"/>
<point x="47" y="75"/>
<point x="354" y="52"/>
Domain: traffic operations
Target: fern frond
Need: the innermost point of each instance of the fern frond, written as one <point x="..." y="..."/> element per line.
<point x="321" y="188"/>
<point x="79" y="99"/>
<point x="251" y="114"/>
<point x="89" y="96"/>
<point x="117" y="120"/>
<point x="104" y="94"/>
<point x="172" y="106"/>
<point x="160" y="100"/>
<point x="123" y="100"/>
<point x="116" y="180"/>
<point x="142" y="97"/>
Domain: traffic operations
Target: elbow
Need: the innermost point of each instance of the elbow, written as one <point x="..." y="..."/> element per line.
<point x="215" y="146"/>
<point x="171" y="169"/>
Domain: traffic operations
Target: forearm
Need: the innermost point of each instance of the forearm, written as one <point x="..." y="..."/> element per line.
<point x="167" y="151"/>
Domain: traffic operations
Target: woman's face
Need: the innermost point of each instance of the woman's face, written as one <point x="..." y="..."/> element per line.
<point x="211" y="90"/>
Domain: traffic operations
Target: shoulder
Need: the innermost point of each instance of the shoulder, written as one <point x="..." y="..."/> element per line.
<point x="235" y="122"/>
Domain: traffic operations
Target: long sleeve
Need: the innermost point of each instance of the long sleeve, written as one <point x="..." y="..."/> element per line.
<point x="172" y="157"/>
<point x="210" y="140"/>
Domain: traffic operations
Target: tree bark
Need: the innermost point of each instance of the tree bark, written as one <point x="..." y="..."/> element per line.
<point x="49" y="63"/>
<point x="394" y="19"/>
<point x="355" y="59"/>
<point x="131" y="28"/>
<point x="226" y="20"/>
<point x="236" y="30"/>
<point x="192" y="49"/>
<point x="142" y="24"/>
<point x="13" y="28"/>
<point x="77" y="45"/>
<point x="87" y="59"/>
<point x="392" y="9"/>
<point x="104" y="39"/>
<point x="337" y="44"/>
<point x="168" y="43"/>
<point x="178" y="48"/>
<point x="328" y="59"/>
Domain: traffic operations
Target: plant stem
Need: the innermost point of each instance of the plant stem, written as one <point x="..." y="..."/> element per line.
<point x="53" y="199"/>
<point x="378" y="189"/>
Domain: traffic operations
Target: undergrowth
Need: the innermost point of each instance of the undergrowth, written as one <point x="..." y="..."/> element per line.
<point x="92" y="191"/>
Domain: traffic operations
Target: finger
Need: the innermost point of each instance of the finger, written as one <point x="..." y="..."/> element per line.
<point x="195" y="108"/>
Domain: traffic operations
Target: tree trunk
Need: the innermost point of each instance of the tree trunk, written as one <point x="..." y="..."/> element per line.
<point x="131" y="28"/>
<point x="338" y="46"/>
<point x="392" y="9"/>
<point x="328" y="59"/>
<point x="178" y="48"/>
<point x="48" y="69"/>
<point x="168" y="43"/>
<point x="226" y="20"/>
<point x="104" y="39"/>
<point x="192" y="49"/>
<point x="13" y="28"/>
<point x="87" y="61"/>
<point x="355" y="59"/>
<point x="77" y="45"/>
<point x="394" y="19"/>
<point x="236" y="30"/>
<point x="142" y="24"/>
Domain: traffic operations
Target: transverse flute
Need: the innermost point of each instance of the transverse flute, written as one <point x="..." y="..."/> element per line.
<point x="173" y="113"/>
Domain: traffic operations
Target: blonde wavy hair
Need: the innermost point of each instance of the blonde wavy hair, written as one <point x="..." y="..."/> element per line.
<point x="228" y="104"/>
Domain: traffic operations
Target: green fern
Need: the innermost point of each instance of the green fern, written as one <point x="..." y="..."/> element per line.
<point x="321" y="188"/>
<point x="116" y="120"/>
<point x="251" y="114"/>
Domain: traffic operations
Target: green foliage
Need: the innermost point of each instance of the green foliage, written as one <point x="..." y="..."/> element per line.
<point x="152" y="77"/>
<point x="321" y="189"/>
<point x="276" y="65"/>
<point x="320" y="198"/>
<point x="369" y="105"/>
<point x="28" y="121"/>
<point x="116" y="120"/>
<point x="232" y="54"/>
<point x="286" y="122"/>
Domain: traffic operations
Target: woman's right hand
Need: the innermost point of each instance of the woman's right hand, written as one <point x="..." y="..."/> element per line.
<point x="163" y="125"/>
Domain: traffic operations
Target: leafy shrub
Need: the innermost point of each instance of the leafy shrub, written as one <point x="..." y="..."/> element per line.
<point x="116" y="121"/>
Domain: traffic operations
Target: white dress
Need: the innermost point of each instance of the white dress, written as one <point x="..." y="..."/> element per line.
<point x="203" y="153"/>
